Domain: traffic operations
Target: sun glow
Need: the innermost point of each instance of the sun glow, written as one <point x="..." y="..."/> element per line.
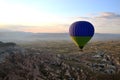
<point x="15" y="14"/>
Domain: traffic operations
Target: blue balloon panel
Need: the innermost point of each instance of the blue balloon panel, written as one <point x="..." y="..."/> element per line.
<point x="81" y="28"/>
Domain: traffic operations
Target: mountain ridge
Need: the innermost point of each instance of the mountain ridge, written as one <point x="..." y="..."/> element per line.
<point x="19" y="36"/>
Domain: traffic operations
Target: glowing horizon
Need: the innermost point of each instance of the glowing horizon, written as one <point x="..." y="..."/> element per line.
<point x="56" y="16"/>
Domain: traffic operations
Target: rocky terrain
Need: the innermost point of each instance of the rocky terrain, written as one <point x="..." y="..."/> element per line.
<point x="59" y="61"/>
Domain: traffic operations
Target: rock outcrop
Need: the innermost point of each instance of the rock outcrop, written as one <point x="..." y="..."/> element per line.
<point x="17" y="63"/>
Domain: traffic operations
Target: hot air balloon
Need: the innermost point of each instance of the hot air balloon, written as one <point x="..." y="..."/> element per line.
<point x="81" y="32"/>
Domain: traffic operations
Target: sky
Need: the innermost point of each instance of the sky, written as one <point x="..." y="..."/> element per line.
<point x="56" y="16"/>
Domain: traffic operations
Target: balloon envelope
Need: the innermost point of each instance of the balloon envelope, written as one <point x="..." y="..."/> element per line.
<point x="81" y="32"/>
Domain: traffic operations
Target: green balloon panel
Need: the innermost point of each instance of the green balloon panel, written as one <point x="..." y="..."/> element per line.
<point x="80" y="41"/>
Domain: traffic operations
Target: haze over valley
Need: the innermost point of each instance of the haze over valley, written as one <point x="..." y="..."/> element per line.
<point x="17" y="36"/>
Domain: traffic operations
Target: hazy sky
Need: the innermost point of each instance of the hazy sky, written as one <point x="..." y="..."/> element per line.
<point x="58" y="15"/>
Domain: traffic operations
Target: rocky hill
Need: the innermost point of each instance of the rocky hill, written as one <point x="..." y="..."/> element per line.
<point x="23" y="63"/>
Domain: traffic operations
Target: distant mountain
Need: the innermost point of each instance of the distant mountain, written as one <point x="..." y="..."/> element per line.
<point x="104" y="37"/>
<point x="16" y="36"/>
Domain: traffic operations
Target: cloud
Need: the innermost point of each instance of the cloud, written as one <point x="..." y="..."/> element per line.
<point x="108" y="15"/>
<point x="51" y="28"/>
<point x="104" y="22"/>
